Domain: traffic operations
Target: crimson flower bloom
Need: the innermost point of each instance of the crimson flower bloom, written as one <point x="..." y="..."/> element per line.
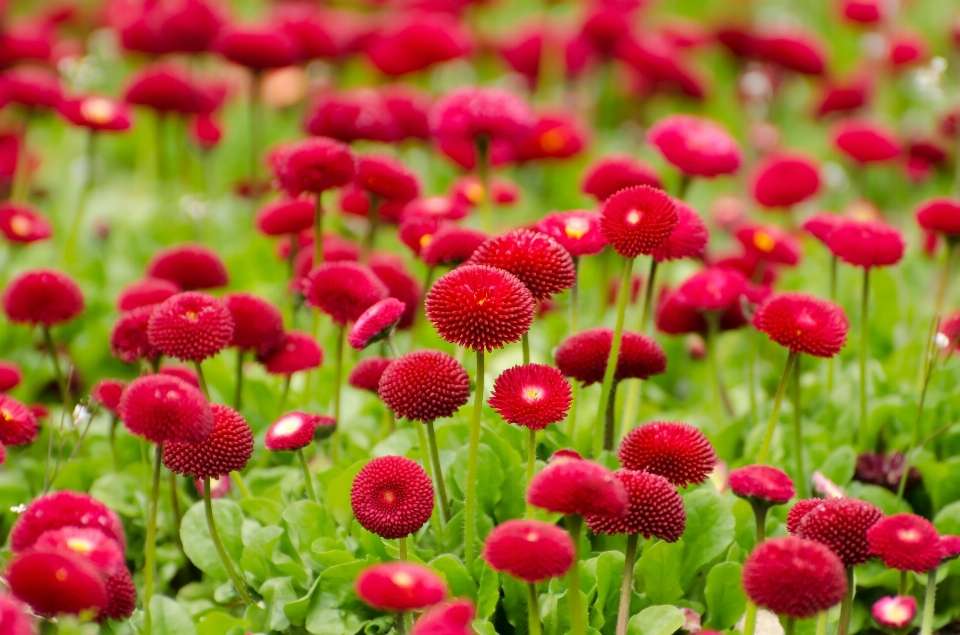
<point x="450" y="245"/>
<point x="353" y="115"/>
<point x="129" y="339"/>
<point x="894" y="611"/>
<point x="866" y="244"/>
<point x="532" y="396"/>
<point x="584" y="356"/>
<point x="794" y="50"/>
<point x="257" y="324"/>
<point x="447" y="618"/>
<point x="107" y="393"/>
<point x="865" y="142"/>
<point x="99" y="114"/>
<point x="676" y="451"/>
<point x="162" y="408"/>
<point x="400" y="586"/>
<point x="803" y="324"/>
<point x="145" y="292"/>
<point x="529" y="550"/>
<point x="102" y="551"/>
<point x="785" y="179"/>
<point x="343" y="290"/>
<point x="655" y="508"/>
<point x="762" y="484"/>
<point x="608" y="175"/>
<point x="906" y="542"/>
<point x="366" y="374"/>
<point x="121" y="597"/>
<point x="536" y="259"/>
<point x="164" y="87"/>
<point x="18" y="425"/>
<point x="285" y="216"/>
<point x="190" y="326"/>
<point x="471" y="113"/>
<point x="14" y="618"/>
<point x="226" y="449"/>
<point x="31" y="87"/>
<point x="577" y="231"/>
<point x="821" y="224"/>
<point x="54" y="582"/>
<point x="687" y="240"/>
<point x="770" y="243"/>
<point x="392" y="496"/>
<point x="10" y="376"/>
<point x="555" y="135"/>
<point x="257" y="46"/>
<point x="290" y="432"/>
<point x="575" y="486"/>
<point x="842" y="524"/>
<point x="65" y="508"/>
<point x="296" y="352"/>
<point x="415" y="41"/>
<point x="385" y="177"/>
<point x="313" y="165"/>
<point x="941" y="215"/>
<point x="20" y="223"/>
<point x="401" y="285"/>
<point x="638" y="220"/>
<point x="424" y="385"/>
<point x="695" y="146"/>
<point x="189" y="266"/>
<point x="42" y="297"/>
<point x="376" y="323"/>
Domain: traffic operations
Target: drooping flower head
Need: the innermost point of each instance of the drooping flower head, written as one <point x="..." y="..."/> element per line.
<point x="447" y="618"/>
<point x="480" y="307"/>
<point x="941" y="215"/>
<point x="794" y="577"/>
<point x="529" y="550"/>
<point x="803" y="324"/>
<point x="366" y="374"/>
<point x="687" y="240"/>
<point x="42" y="297"/>
<point x="20" y="223"/>
<point x="608" y="175"/>
<point x="532" y="396"/>
<point x="537" y="260"/>
<point x="866" y="243"/>
<point x="906" y="542"/>
<point x="145" y="292"/>
<point x="577" y="231"/>
<point x="450" y="245"/>
<point x="313" y="165"/>
<point x="18" y="425"/>
<point x="696" y="146"/>
<point x="343" y="290"/>
<point x="190" y="326"/>
<point x="785" y="179"/>
<point x="54" y="582"/>
<point x="392" y="496"/>
<point x="655" y="508"/>
<point x="297" y="351"/>
<point x="65" y="508"/>
<point x="257" y="324"/>
<point x="292" y="431"/>
<point x="162" y="408"/>
<point x="676" y="451"/>
<point x="577" y="486"/>
<point x="865" y="141"/>
<point x="376" y="323"/>
<point x="190" y="267"/>
<point x="638" y="220"/>
<point x="584" y="356"/>
<point x="424" y="385"/>
<point x="843" y="525"/>
<point x="400" y="586"/>
<point x="894" y="611"/>
<point x="762" y="485"/>
<point x="226" y="449"/>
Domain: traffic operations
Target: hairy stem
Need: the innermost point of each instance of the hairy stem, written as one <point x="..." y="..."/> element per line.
<point x="929" y="599"/>
<point x="533" y="609"/>
<point x="201" y="380"/>
<point x="238" y="384"/>
<point x="798" y="432"/>
<point x="864" y="350"/>
<point x="150" y="543"/>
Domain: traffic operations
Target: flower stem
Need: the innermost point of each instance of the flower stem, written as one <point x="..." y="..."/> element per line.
<point x="57" y="371"/>
<point x="929" y="599"/>
<point x="150" y="543"/>
<point x="85" y="189"/>
<point x="577" y="621"/>
<point x="902" y="587"/>
<point x="832" y="361"/>
<point x="201" y="380"/>
<point x="750" y="619"/>
<point x="238" y="481"/>
<point x="864" y="349"/>
<point x="574" y="328"/>
<point x="21" y="172"/>
<point x="284" y="393"/>
<point x="626" y="587"/>
<point x="307" y="478"/>
<point x="798" y="433"/>
<point x="224" y="558"/>
<point x="402" y="545"/>
<point x="533" y="609"/>
<point x="531" y="464"/>
<point x="175" y="509"/>
<point x="609" y="417"/>
<point x="846" y="606"/>
<point x="470" y="496"/>
<point x="751" y="378"/>
<point x="822" y="619"/>
<point x="631" y="406"/>
<point x="760" y="516"/>
<point x="238" y="385"/>
<point x="525" y="344"/>
<point x="612" y="360"/>
<point x="318" y="231"/>
<point x="778" y="399"/>
<point x="113" y="442"/>
<point x="435" y="515"/>
<point x="713" y="330"/>
<point x="929" y="363"/>
<point x="789" y="626"/>
<point x="435" y="456"/>
<point x="482" y="148"/>
<point x="337" y="379"/>
<point x="255" y="124"/>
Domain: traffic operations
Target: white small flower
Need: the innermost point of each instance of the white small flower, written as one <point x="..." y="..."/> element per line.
<point x="81" y="415"/>
<point x="19" y="509"/>
<point x="941" y="340"/>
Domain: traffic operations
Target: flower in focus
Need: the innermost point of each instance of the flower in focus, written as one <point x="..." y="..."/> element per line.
<point x="906" y="542"/>
<point x="392" y="496"/>
<point x="638" y="220"/>
<point x="424" y="385"/>
<point x="257" y="324"/>
<point x="343" y="290"/>
<point x="762" y="484"/>
<point x="129" y="339"/>
<point x="162" y="408"/>
<point x="313" y="165"/>
<point x="529" y="550"/>
<point x="843" y="525"/>
<point x="190" y="267"/>
<point x="655" y="508"/>
<point x="226" y="449"/>
<point x="688" y="239"/>
<point x="376" y="323"/>
<point x="539" y="261"/>
<point x="296" y="352"/>
<point x="292" y="431"/>
<point x="532" y="396"/>
<point x="190" y="326"/>
<point x="676" y="451"/>
<point x="803" y="324"/>
<point x="577" y="486"/>
<point x="584" y="356"/>
<point x="577" y="231"/>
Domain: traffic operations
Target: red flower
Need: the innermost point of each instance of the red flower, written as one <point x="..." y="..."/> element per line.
<point x="907" y="49"/>
<point x="121" y="597"/>
<point x="894" y="611"/>
<point x="470" y="113"/>
<point x="424" y="385"/>
<point x="576" y="486"/>
<point x="206" y="131"/>
<point x="638" y="220"/>
<point x="23" y="224"/>
<point x="366" y="374"/>
<point x="821" y="225"/>
<point x="842" y="524"/>
<point x="450" y="245"/>
<point x="696" y="146"/>
<point x="351" y="116"/>
<point x="145" y="292"/>
<point x="794" y="577"/>
<point x="400" y="285"/>
<point x="30" y="87"/>
<point x="384" y="176"/>
<point x="762" y="483"/>
<point x="480" y="307"/>
<point x="940" y="215"/>
<point x="863" y="11"/>
<point x="800" y="509"/>
<point x="129" y="340"/>
<point x="577" y="231"/>
<point x="448" y="618"/>
<point x="226" y="449"/>
<point x="555" y="135"/>
<point x="42" y="296"/>
<point x="687" y="240"/>
<point x="770" y="243"/>
<point x="529" y="550"/>
<point x="14" y="618"/>
<point x="343" y="290"/>
<point x="866" y="243"/>
<point x="803" y="323"/>
<point x="400" y="586"/>
<point x="376" y="323"/>
<point x="99" y="549"/>
<point x="257" y="324"/>
<point x="183" y="373"/>
<point x="164" y="87"/>
<point x="285" y="216"/>
<point x="257" y="46"/>
<point x="532" y="396"/>
<point x="162" y="408"/>
<point x="96" y="113"/>
<point x="190" y="326"/>
<point x="608" y="175"/>
<point x="65" y="508"/>
<point x="949" y="547"/>
<point x="107" y="393"/>
<point x="313" y="165"/>
<point x="713" y="290"/>
<point x="536" y="259"/>
<point x="785" y="179"/>
<point x="311" y="30"/>
<point x="843" y="97"/>
<point x="584" y="356"/>
<point x="10" y="376"/>
<point x="392" y="497"/>
<point x="296" y="352"/>
<point x="865" y="142"/>
<point x="655" y="509"/>
<point x="906" y="542"/>
<point x="415" y="41"/>
<point x="189" y="266"/>
<point x="292" y="431"/>
<point x="676" y="451"/>
<point x="794" y="50"/>
<point x="54" y="582"/>
<point x="18" y="425"/>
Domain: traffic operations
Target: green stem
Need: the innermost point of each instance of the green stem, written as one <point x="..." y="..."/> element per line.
<point x="373" y="222"/>
<point x="577" y="618"/>
<point x="531" y="463"/>
<point x="832" y="361"/>
<point x="789" y="626"/>
<point x="613" y="358"/>
<point x="399" y="624"/>
<point x="482" y="147"/>
<point x="435" y="456"/>
<point x="318" y="231"/>
<point x="846" y="606"/>
<point x="713" y="330"/>
<point x="201" y="380"/>
<point x="750" y="619"/>
<point x="864" y="349"/>
<point x="609" y="417"/>
<point x="291" y="270"/>
<point x="470" y="498"/>
<point x="392" y="344"/>
<point x="113" y="443"/>
<point x="402" y="544"/>
<point x="929" y="361"/>
<point x="929" y="599"/>
<point x="778" y="399"/>
<point x="337" y="379"/>
<point x="533" y="609"/>
<point x="631" y="406"/>
<point x="57" y="371"/>
<point x="648" y="296"/>
<point x="575" y="298"/>
<point x="435" y="516"/>
<point x="822" y="619"/>
<point x="798" y="433"/>
<point x="175" y="509"/>
<point x="238" y="384"/>
<point x="215" y="537"/>
<point x="238" y="481"/>
<point x="150" y="543"/>
<point x="20" y="188"/>
<point x="284" y="393"/>
<point x="255" y="125"/>
<point x="902" y="587"/>
<point x="525" y="345"/>
<point x="85" y="189"/>
<point x="760" y="517"/>
<point x="751" y="375"/>
<point x="626" y="586"/>
<point x="307" y="478"/>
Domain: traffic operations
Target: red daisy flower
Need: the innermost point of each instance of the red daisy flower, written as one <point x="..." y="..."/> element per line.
<point x="18" y="425"/>
<point x="54" y="582"/>
<point x="784" y="179"/>
<point x="537" y="260"/>
<point x="863" y="11"/>
<point x="121" y="597"/>
<point x="584" y="356"/>
<point x="385" y="177"/>
<point x="226" y="449"/>
<point x="713" y="290"/>
<point x="529" y="550"/>
<point x="800" y="509"/>
<point x="65" y="508"/>
<point x="400" y="586"/>
<point x="257" y="324"/>
<point x="96" y="113"/>
<point x="424" y="385"/>
<point x="42" y="296"/>
<point x="676" y="451"/>
<point x="392" y="497"/>
<point x="99" y="549"/>
<point x="770" y="243"/>
<point x="865" y="141"/>
<point x="10" y="376"/>
<point x="145" y="292"/>
<point x="14" y="618"/>
<point x="164" y="87"/>
<point x="894" y="611"/>
<point x="763" y="484"/>
<point x="129" y="340"/>
<point x="447" y="618"/>
<point x="343" y="290"/>
<point x="532" y="396"/>
<point x="794" y="50"/>
<point x="257" y="46"/>
<point x="866" y="244"/>
<point x="23" y="224"/>
<point x="296" y="352"/>
<point x="162" y="408"/>
<point x="366" y="374"/>
<point x="292" y="431"/>
<point x="576" y="486"/>
<point x="285" y="216"/>
<point x="821" y="224"/>
<point x="480" y="307"/>
<point x="843" y="525"/>
<point x="577" y="231"/>
<point x="794" y="577"/>
<point x="450" y="245"/>
<point x="471" y="112"/>
<point x="107" y="393"/>
<point x="190" y="326"/>
<point x="655" y="509"/>
<point x="608" y="175"/>
<point x="906" y="542"/>
<point x="687" y="240"/>
<point x="376" y="323"/>
<point x="190" y="267"/>
<point x="400" y="285"/>
<point x="803" y="324"/>
<point x="696" y="146"/>
<point x="638" y="220"/>
<point x="30" y="86"/>
<point x="414" y="41"/>
<point x="313" y="165"/>
<point x="941" y="215"/>
<point x="183" y="373"/>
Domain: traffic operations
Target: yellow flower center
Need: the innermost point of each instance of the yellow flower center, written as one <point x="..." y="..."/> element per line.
<point x="909" y="535"/>
<point x="20" y="225"/>
<point x="80" y="544"/>
<point x="533" y="393"/>
<point x="191" y="315"/>
<point x="633" y="217"/>
<point x="552" y="140"/>
<point x="425" y="240"/>
<point x="97" y="110"/>
<point x="287" y="425"/>
<point x="576" y="227"/>
<point x="532" y="536"/>
<point x="402" y="579"/>
<point x="474" y="192"/>
<point x="764" y="242"/>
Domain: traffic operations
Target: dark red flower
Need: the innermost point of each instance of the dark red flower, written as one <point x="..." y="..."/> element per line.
<point x="392" y="496"/>
<point x="257" y="46"/>
<point x="866" y="243"/>
<point x="285" y="216"/>
<point x="386" y="177"/>
<point x="162" y="408"/>
<point x="18" y="425"/>
<point x="376" y="323"/>
<point x="906" y="49"/>
<point x="696" y="146"/>
<point x="352" y="115"/>
<point x="414" y="41"/>
<point x="65" y="508"/>
<point x="676" y="451"/>
<point x="480" y="307"/>
<point x="313" y="165"/>
<point x="311" y="30"/>
<point x="577" y="486"/>
<point x="655" y="509"/>
<point x="530" y="550"/>
<point x="30" y="87"/>
<point x="129" y="338"/>
<point x="555" y="135"/>
<point x="793" y="577"/>
<point x="713" y="290"/>
<point x="226" y="449"/>
<point x="843" y="96"/>
<point x="584" y="356"/>
<point x="784" y="179"/>
<point x="821" y="224"/>
<point x="638" y="220"/>
<point x="794" y="50"/>
<point x="400" y="285"/>
<point x="608" y="175"/>
<point x="99" y="549"/>
<point x="800" y="509"/>
<point x="470" y="113"/>
<point x="257" y="324"/>
<point x="189" y="266"/>
<point x="803" y="323"/>
<point x="532" y="396"/>
<point x="906" y="542"/>
<point x="96" y="113"/>
<point x="400" y="586"/>
<point x="447" y="618"/>
<point x="843" y="525"/>
<point x="770" y="243"/>
<point x="762" y="483"/>
<point x="292" y="431"/>
<point x="296" y="352"/>
<point x="865" y="142"/>
<point x="183" y="373"/>
<point x="577" y="231"/>
<point x="366" y="374"/>
<point x="190" y="326"/>
<point x="10" y="376"/>
<point x="863" y="11"/>
<point x="536" y="259"/>
<point x="450" y="245"/>
<point x="343" y="290"/>
<point x="55" y="582"/>
<point x="121" y="597"/>
<point x="14" y="618"/>
<point x="21" y="223"/>
<point x="424" y="385"/>
<point x="42" y="296"/>
<point x="164" y="87"/>
<point x="206" y="131"/>
<point x="107" y="393"/>
<point x="687" y="240"/>
<point x="145" y="292"/>
<point x="941" y="215"/>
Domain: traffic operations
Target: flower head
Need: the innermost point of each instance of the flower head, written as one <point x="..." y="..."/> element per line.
<point x="366" y="374"/>
<point x="97" y="113"/>
<point x="129" y="338"/>
<point x="189" y="266"/>
<point x="400" y="586"/>
<point x="162" y="408"/>
<point x="713" y="290"/>
<point x="803" y="324"/>
<point x="65" y="508"/>
<point x="102" y="551"/>
<point x="676" y="451"/>
<point x="577" y="231"/>
<point x="313" y="165"/>
<point x="866" y="244"/>
<point x="163" y="87"/>
<point x="385" y="177"/>
<point x="21" y="223"/>
<point x="343" y="290"/>
<point x="226" y="449"/>
<point x="655" y="508"/>
<point x="145" y="292"/>
<point x="297" y="351"/>
<point x="414" y="41"/>
<point x="376" y="323"/>
<point x="532" y="396"/>
<point x="121" y="596"/>
<point x="107" y="393"/>
<point x="257" y="46"/>
<point x="821" y="225"/>
<point x="292" y="431"/>
<point x="424" y="385"/>
<point x="608" y="175"/>
<point x="941" y="215"/>
<point x="638" y="220"/>
<point x="529" y="550"/>
<point x="865" y="141"/>
<point x="285" y="216"/>
<point x="470" y="113"/>
<point x="392" y="496"/>
<point x="906" y="542"/>
<point x="18" y="425"/>
<point x="687" y="240"/>
<point x="42" y="296"/>
<point x="843" y="525"/>
<point x="14" y="618"/>
<point x="576" y="486"/>
<point x="770" y="243"/>
<point x="696" y="146"/>
<point x="794" y="577"/>
<point x="480" y="307"/>
<point x="894" y="611"/>
<point x="447" y="618"/>
<point x="54" y="582"/>
<point x="190" y="326"/>
<point x="537" y="260"/>
<point x="761" y="483"/>
<point x="10" y="376"/>
<point x="400" y="285"/>
<point x="584" y="356"/>
<point x="795" y="50"/>
<point x="450" y="245"/>
<point x="785" y="179"/>
<point x="257" y="324"/>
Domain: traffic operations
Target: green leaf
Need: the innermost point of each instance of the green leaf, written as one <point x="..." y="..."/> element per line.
<point x="488" y="594"/>
<point x="458" y="580"/>
<point x="609" y="572"/>
<point x="656" y="620"/>
<point x="277" y="592"/>
<point x="257" y="553"/>
<point x="947" y="520"/>
<point x="338" y="493"/>
<point x="264" y="510"/>
<point x="489" y="473"/>
<point x="167" y="617"/>
<point x="660" y="566"/>
<point x="483" y="627"/>
<point x="197" y="544"/>
<point x="218" y="623"/>
<point x="709" y="532"/>
<point x="305" y="522"/>
<point x="725" y="599"/>
<point x="840" y="465"/>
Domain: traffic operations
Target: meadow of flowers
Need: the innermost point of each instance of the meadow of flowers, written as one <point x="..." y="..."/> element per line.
<point x="478" y="317"/>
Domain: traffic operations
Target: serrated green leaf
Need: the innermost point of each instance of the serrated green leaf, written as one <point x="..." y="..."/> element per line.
<point x="488" y="594"/>
<point x="458" y="580"/>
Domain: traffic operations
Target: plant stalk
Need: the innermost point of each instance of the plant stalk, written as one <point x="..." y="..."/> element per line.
<point x="435" y="456"/>
<point x="626" y="586"/>
<point x="470" y="496"/>
<point x="778" y="399"/>
<point x="224" y="558"/>
<point x="846" y="606"/>
<point x="533" y="609"/>
<point x="612" y="359"/>
<point x="929" y="599"/>
<point x="150" y="543"/>
<point x="201" y="380"/>
<point x="864" y="349"/>
<point x="577" y="619"/>
<point x="238" y="385"/>
<point x="337" y="380"/>
<point x="318" y="231"/>
<point x="713" y="330"/>
<point x="307" y="478"/>
<point x="798" y="432"/>
<point x="436" y="515"/>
